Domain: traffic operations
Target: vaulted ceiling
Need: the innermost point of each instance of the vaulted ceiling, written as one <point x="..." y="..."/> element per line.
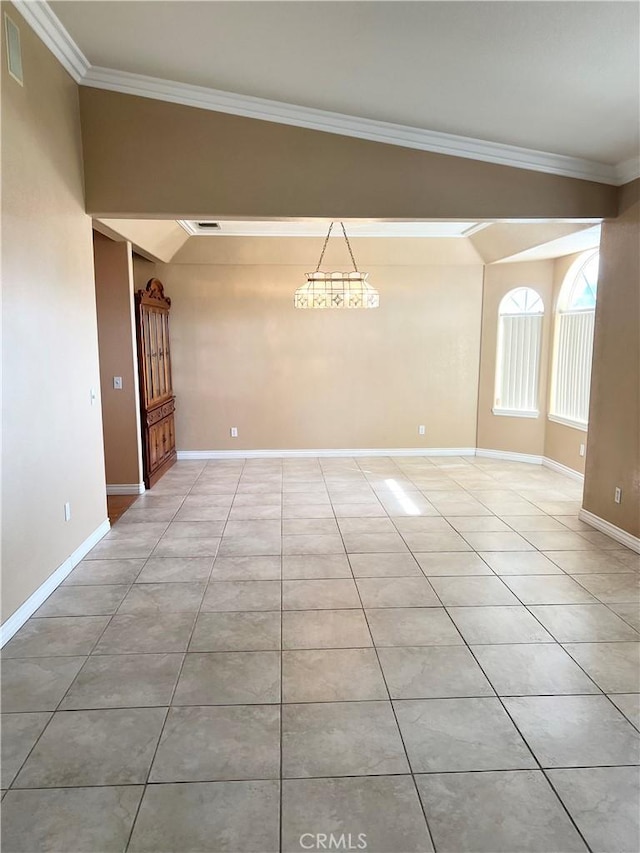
<point x="557" y="77"/>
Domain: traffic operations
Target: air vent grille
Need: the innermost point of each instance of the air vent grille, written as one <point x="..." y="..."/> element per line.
<point x="209" y="226"/>
<point x="14" y="54"/>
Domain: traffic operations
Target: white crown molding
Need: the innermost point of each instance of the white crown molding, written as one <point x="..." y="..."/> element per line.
<point x="48" y="27"/>
<point x="184" y="455"/>
<point x="604" y="526"/>
<point x="126" y="489"/>
<point x="17" y="619"/>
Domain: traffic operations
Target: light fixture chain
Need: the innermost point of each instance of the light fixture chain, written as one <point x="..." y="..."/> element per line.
<point x="326" y="240"/>
<point x="353" y="260"/>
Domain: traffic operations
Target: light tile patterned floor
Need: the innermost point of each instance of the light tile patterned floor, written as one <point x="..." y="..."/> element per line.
<point x="431" y="653"/>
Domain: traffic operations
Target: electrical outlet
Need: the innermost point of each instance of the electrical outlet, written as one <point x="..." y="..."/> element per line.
<point x="67" y="511"/>
<point x="234" y="432"/>
<point x="617" y="495"/>
<point x="581" y="450"/>
<point x="117" y="383"/>
<point x="421" y="429"/>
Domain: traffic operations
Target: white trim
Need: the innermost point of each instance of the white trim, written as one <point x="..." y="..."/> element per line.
<point x="558" y="419"/>
<point x="125" y="489"/>
<point x="48" y="27"/>
<point x="515" y="413"/>
<point x="190" y="226"/>
<point x="628" y="170"/>
<point x="531" y="459"/>
<point x="475" y="228"/>
<point x="563" y="469"/>
<point x="604" y="526"/>
<point x="136" y="372"/>
<point x="279" y="454"/>
<point x="509" y="456"/>
<point x="17" y="619"/>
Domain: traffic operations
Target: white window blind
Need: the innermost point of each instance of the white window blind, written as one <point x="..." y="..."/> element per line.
<point x="518" y="355"/>
<point x="575" y="321"/>
<point x="574" y="346"/>
<point x="517" y="386"/>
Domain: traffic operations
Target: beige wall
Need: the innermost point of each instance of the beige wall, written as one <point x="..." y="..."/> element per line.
<point x="614" y="414"/>
<point x="499" y="432"/>
<point x="143" y="270"/>
<point x="52" y="435"/>
<point x="117" y="346"/>
<point x="288" y="379"/>
<point x="148" y="158"/>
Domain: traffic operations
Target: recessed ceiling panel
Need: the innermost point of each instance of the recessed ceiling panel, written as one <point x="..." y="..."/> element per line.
<point x="319" y="228"/>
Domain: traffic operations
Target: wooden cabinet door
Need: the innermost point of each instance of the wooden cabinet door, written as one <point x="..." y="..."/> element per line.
<point x="156" y="391"/>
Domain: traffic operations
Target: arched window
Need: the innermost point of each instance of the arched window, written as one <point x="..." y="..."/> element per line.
<point x="518" y="357"/>
<point x="573" y="345"/>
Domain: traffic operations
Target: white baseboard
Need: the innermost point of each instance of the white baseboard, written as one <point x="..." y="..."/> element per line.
<point x="563" y="469"/>
<point x="17" y="619"/>
<point x="508" y="456"/>
<point x="611" y="530"/>
<point x="531" y="459"/>
<point x="125" y="489"/>
<point x="279" y="454"/>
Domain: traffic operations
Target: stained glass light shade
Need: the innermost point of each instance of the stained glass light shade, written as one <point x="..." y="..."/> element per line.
<point x="336" y="290"/>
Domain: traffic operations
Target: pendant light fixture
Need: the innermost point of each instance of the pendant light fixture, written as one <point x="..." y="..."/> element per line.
<point x="336" y="289"/>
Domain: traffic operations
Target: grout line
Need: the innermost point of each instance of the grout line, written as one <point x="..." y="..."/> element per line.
<point x="395" y="717"/>
<point x="340" y="481"/>
<point x="173" y="692"/>
<point x="281" y="708"/>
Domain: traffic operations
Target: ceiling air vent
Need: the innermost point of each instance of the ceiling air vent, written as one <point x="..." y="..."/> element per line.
<point x="209" y="226"/>
<point x="14" y="54"/>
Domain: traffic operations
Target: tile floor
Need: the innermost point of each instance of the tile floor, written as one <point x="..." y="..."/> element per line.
<point x="412" y="654"/>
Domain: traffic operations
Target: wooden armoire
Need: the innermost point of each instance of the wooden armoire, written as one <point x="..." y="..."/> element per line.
<point x="157" y="402"/>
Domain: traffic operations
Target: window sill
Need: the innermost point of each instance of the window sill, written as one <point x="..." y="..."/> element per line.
<point x="515" y="413"/>
<point x="558" y="419"/>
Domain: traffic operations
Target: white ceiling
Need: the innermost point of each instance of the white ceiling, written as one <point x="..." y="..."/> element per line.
<point x="559" y="77"/>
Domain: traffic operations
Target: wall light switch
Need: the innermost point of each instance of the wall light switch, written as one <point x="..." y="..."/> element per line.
<point x="93" y="395"/>
<point x="117" y="383"/>
<point x="67" y="511"/>
<point x="234" y="432"/>
<point x="617" y="495"/>
<point x="421" y="429"/>
<point x="582" y="450"/>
